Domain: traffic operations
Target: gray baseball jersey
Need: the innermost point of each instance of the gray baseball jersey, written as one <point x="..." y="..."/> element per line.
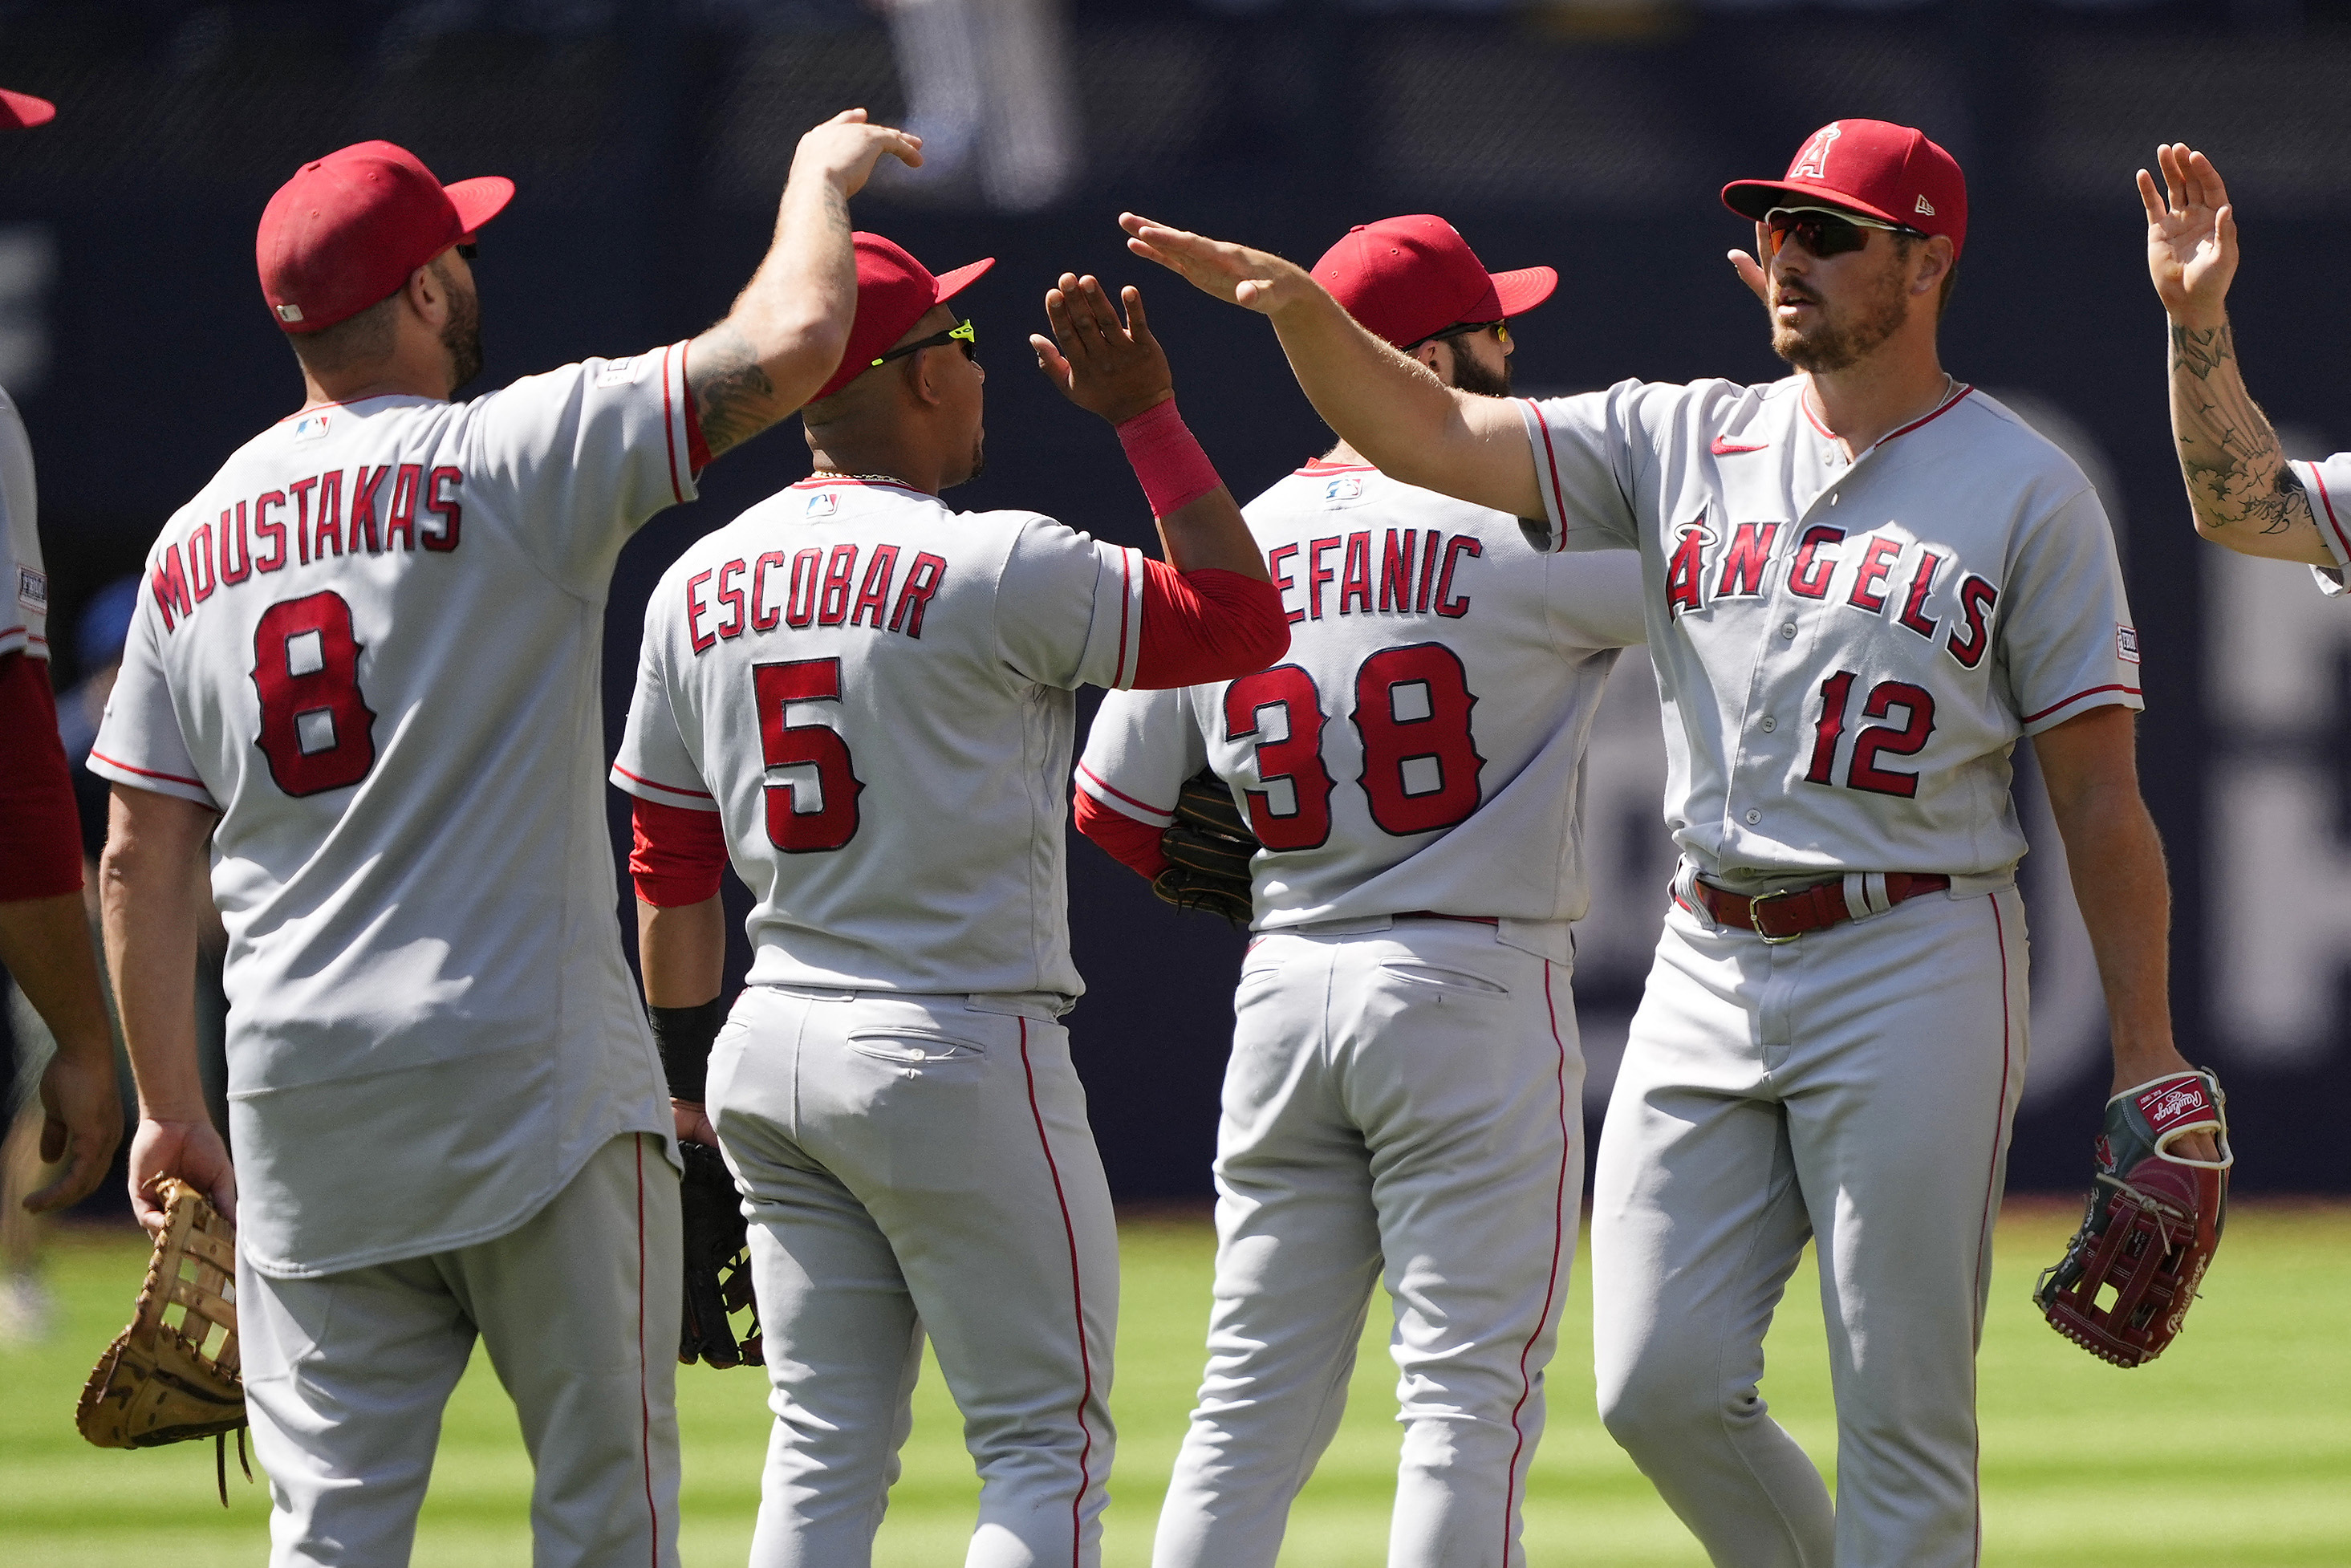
<point x="1843" y="683"/>
<point x="373" y="643"/>
<point x="24" y="614"/>
<point x="1422" y="746"/>
<point x="874" y="692"/>
<point x="2327" y="483"/>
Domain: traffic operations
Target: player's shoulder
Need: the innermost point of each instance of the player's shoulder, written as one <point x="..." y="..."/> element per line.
<point x="1995" y="442"/>
<point x="1356" y="495"/>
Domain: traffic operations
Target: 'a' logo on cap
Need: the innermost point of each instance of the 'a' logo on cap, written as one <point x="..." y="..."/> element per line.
<point x="1811" y="163"/>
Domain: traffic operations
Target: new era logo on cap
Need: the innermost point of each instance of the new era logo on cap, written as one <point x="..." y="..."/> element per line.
<point x="1925" y="208"/>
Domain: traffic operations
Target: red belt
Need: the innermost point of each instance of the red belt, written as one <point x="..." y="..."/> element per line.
<point x="1787" y="914"/>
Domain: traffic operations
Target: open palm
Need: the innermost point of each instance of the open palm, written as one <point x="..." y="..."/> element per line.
<point x="2191" y="232"/>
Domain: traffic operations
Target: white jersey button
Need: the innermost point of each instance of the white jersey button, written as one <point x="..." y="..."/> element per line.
<point x="1753" y="816"/>
<point x="1788" y="630"/>
<point x="1769" y="723"/>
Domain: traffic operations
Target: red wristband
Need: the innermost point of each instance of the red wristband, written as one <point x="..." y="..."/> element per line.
<point x="1167" y="458"/>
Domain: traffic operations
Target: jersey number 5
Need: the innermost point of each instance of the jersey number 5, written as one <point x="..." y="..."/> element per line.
<point x="1907" y="740"/>
<point x="1420" y="763"/>
<point x="316" y="728"/>
<point x="781" y="745"/>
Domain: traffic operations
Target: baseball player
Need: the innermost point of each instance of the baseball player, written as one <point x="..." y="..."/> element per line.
<point x="2244" y="491"/>
<point x="862" y="700"/>
<point x="1833" y="1037"/>
<point x="366" y="671"/>
<point x="44" y="930"/>
<point x="1404" y="1096"/>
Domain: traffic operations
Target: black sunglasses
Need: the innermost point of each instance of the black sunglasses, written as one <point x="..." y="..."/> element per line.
<point x="469" y="250"/>
<point x="963" y="335"/>
<point x="1501" y="330"/>
<point x="1824" y="233"/>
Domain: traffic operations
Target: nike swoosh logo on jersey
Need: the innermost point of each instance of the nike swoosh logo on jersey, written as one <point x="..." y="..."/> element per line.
<point x="1724" y="446"/>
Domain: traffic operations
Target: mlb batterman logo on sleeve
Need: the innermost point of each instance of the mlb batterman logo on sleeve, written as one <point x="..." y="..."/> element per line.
<point x="1889" y="172"/>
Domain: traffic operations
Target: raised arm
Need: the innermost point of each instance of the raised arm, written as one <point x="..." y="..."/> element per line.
<point x="788" y="325"/>
<point x="2239" y="487"/>
<point x="1380" y="402"/>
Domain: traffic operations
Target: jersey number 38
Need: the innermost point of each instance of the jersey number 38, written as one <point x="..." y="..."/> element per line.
<point x="1420" y="762"/>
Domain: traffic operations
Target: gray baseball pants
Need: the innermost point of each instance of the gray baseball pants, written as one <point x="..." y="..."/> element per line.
<point x="1853" y="1088"/>
<point x="346" y="1375"/>
<point x="922" y="1164"/>
<point x="1405" y="1106"/>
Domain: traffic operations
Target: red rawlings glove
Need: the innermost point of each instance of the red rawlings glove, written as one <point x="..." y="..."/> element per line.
<point x="2128" y="1277"/>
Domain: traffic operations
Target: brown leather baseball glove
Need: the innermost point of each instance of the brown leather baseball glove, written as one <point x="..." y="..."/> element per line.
<point x="1208" y="848"/>
<point x="173" y="1374"/>
<point x="2125" y="1284"/>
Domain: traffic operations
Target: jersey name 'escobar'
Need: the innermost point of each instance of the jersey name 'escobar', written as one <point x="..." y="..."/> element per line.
<point x="371" y="643"/>
<point x="874" y="692"/>
<point x="1847" y="651"/>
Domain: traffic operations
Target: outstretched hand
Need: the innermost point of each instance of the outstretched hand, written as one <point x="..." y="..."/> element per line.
<point x="2191" y="236"/>
<point x="1255" y="279"/>
<point x="1113" y="369"/>
<point x="845" y="147"/>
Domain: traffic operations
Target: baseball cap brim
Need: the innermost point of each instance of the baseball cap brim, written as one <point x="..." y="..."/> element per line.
<point x="1525" y="287"/>
<point x="479" y="200"/>
<point x="22" y="110"/>
<point x="955" y="280"/>
<point x="1752" y="199"/>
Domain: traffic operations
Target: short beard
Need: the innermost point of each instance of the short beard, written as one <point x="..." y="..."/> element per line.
<point x="1839" y="346"/>
<point x="461" y="336"/>
<point x="1470" y="376"/>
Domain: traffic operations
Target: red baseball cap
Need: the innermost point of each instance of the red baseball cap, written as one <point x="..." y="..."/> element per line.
<point x="22" y="110"/>
<point x="1890" y="172"/>
<point x="347" y="230"/>
<point x="1407" y="279"/>
<point x="894" y="292"/>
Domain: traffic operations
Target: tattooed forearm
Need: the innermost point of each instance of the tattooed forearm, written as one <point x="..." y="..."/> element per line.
<point x="2239" y="481"/>
<point x="733" y="398"/>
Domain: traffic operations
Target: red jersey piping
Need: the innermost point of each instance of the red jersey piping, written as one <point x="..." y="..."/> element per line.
<point x="2340" y="538"/>
<point x="657" y="784"/>
<point x="1098" y="782"/>
<point x="2077" y="697"/>
<point x="150" y="773"/>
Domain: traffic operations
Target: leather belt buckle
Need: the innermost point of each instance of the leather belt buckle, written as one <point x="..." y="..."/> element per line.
<point x="1755" y="914"/>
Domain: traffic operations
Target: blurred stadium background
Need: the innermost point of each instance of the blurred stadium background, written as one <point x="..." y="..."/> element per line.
<point x="649" y="138"/>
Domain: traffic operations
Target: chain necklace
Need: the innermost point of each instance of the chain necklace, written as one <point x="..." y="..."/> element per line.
<point x="875" y="478"/>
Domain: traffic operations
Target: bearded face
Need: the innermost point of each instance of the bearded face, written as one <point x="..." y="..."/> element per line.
<point x="1471" y="375"/>
<point x="1834" y="334"/>
<point x="461" y="335"/>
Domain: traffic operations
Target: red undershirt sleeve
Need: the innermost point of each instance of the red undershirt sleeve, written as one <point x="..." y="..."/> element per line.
<point x="1134" y="845"/>
<point x="1206" y="625"/>
<point x="40" y="832"/>
<point x="677" y="855"/>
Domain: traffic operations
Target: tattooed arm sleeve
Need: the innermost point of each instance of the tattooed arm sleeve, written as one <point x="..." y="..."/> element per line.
<point x="2244" y="493"/>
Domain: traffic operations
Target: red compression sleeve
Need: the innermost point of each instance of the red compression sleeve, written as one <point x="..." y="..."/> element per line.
<point x="677" y="855"/>
<point x="1134" y="845"/>
<point x="1167" y="458"/>
<point x="1206" y="625"/>
<point x="40" y="832"/>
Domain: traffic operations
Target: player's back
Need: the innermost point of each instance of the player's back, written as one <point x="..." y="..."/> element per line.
<point x="373" y="643"/>
<point x="1420" y="748"/>
<point x="874" y="691"/>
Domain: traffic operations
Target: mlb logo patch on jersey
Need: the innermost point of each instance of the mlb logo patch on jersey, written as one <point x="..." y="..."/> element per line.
<point x="2127" y="645"/>
<point x="1343" y="491"/>
<point x="823" y="504"/>
<point x="311" y="426"/>
<point x="33" y="590"/>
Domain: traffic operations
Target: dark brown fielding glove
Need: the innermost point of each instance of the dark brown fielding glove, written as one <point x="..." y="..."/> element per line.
<point x="717" y="1264"/>
<point x="1208" y="848"/>
<point x="173" y="1374"/>
<point x="2153" y="1225"/>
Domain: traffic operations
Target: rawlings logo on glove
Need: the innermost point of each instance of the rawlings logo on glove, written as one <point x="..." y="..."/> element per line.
<point x="2125" y="1284"/>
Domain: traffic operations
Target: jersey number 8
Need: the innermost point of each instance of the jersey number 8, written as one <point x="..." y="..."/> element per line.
<point x="316" y="730"/>
<point x="1420" y="763"/>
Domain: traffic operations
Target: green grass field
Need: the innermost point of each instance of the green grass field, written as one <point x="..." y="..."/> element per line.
<point x="2234" y="1451"/>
